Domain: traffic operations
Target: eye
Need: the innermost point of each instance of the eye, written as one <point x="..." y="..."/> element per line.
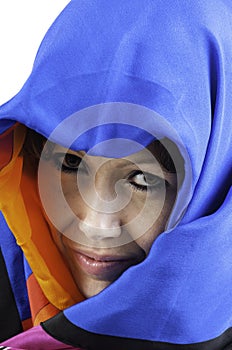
<point x="145" y="181"/>
<point x="68" y="162"/>
<point x="71" y="161"/>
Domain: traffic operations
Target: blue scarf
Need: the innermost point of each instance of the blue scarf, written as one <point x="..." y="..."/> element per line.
<point x="173" y="59"/>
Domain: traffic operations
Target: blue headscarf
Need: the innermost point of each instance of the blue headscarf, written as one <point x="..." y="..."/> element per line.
<point x="174" y="58"/>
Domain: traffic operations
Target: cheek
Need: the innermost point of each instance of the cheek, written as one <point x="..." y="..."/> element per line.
<point x="61" y="243"/>
<point x="57" y="196"/>
<point x="146" y="240"/>
<point x="142" y="214"/>
<point x="71" y="194"/>
<point x="159" y="222"/>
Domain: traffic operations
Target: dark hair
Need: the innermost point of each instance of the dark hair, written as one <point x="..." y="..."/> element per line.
<point x="34" y="143"/>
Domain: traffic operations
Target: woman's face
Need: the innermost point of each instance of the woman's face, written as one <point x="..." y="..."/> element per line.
<point x="122" y="205"/>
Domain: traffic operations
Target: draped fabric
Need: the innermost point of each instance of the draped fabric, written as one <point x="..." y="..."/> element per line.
<point x="173" y="59"/>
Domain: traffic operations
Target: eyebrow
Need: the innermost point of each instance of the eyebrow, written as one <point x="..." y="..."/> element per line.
<point x="125" y="162"/>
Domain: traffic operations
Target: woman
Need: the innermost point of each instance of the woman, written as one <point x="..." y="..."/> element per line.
<point x="133" y="99"/>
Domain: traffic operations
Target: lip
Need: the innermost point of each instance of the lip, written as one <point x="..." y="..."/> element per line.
<point x="103" y="266"/>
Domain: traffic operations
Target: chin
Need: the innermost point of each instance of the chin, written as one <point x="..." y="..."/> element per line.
<point x="93" y="288"/>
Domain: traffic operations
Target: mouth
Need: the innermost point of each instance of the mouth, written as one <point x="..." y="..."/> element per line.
<point x="103" y="266"/>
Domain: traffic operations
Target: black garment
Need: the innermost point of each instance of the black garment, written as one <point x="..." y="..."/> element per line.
<point x="63" y="330"/>
<point x="10" y="323"/>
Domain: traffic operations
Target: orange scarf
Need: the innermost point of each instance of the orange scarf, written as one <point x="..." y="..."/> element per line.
<point x="51" y="287"/>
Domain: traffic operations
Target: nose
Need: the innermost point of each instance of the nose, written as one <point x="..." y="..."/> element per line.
<point x="101" y="213"/>
<point x="98" y="225"/>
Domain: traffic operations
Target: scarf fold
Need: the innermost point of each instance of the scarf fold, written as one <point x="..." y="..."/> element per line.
<point x="173" y="58"/>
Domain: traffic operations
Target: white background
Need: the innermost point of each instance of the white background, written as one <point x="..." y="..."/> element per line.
<point x="23" y="24"/>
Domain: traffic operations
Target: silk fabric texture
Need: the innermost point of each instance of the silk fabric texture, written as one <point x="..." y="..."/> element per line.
<point x="173" y="58"/>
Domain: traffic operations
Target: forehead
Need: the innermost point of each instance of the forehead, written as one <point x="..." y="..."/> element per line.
<point x="147" y="159"/>
<point x="146" y="154"/>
